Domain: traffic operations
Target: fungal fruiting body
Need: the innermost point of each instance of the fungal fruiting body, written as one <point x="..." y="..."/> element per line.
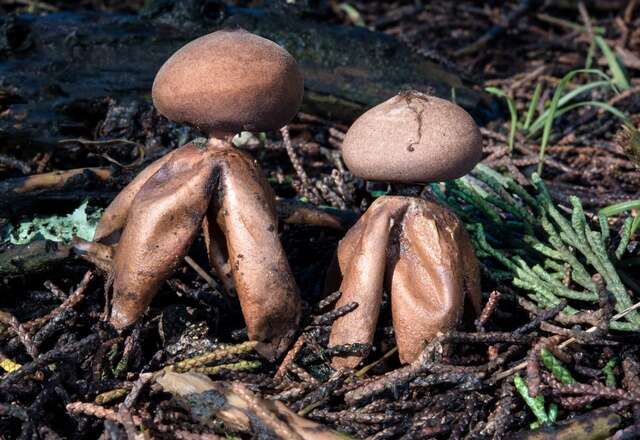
<point x="419" y="252"/>
<point x="415" y="249"/>
<point x="222" y="83"/>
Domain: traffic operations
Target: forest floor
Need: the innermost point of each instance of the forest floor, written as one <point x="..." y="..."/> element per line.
<point x="557" y="346"/>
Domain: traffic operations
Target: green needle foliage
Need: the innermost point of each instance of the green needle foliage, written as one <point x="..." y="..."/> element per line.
<point x="547" y="252"/>
<point x="610" y="378"/>
<point x="536" y="404"/>
<point x="556" y="367"/>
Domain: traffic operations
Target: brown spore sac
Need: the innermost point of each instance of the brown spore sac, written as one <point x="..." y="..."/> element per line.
<point x="229" y="81"/>
<point x="413" y="138"/>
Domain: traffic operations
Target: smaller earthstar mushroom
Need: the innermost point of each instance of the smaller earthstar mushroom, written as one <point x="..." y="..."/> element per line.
<point x="415" y="249"/>
<point x="222" y="83"/>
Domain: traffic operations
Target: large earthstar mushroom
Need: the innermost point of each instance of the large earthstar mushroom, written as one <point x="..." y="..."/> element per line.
<point x="222" y="83"/>
<point x="415" y="249"/>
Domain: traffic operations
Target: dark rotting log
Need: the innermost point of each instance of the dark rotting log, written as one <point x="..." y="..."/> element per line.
<point x="56" y="70"/>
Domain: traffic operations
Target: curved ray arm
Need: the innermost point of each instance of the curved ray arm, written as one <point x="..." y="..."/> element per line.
<point x="115" y="216"/>
<point x="362" y="256"/>
<point x="164" y="219"/>
<point x="263" y="280"/>
<point x="428" y="281"/>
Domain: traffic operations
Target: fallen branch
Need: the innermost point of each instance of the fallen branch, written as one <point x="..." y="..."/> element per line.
<point x="240" y="409"/>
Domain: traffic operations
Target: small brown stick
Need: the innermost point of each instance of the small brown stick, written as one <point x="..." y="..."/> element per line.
<point x="21" y="331"/>
<point x="309" y="191"/>
<point x="280" y="428"/>
<point x="541" y="317"/>
<point x="447" y="378"/>
<point x="586" y="338"/>
<point x="332" y="315"/>
<point x="528" y="77"/>
<point x="292" y="393"/>
<point x="303" y="374"/>
<point x="591" y="317"/>
<point x="124" y="411"/>
<point x="203" y="273"/>
<point x="394" y="378"/>
<point x="289" y="357"/>
<point x="52" y="180"/>
<point x="329" y="300"/>
<point x="337" y="177"/>
<point x="70" y="302"/>
<point x="629" y="10"/>
<point x="356" y="417"/>
<point x="55" y="290"/>
<point x="322" y="393"/>
<point x="594" y="389"/>
<point x="584" y="15"/>
<point x="329" y="194"/>
<point x="91" y="409"/>
<point x="533" y="365"/>
<point x="488" y="310"/>
<point x="375" y="406"/>
<point x="576" y="403"/>
<point x="533" y="371"/>
<point x="633" y="91"/>
<point x="500" y="418"/>
<point x="569" y="341"/>
<point x="206" y="358"/>
<point x="488" y="337"/>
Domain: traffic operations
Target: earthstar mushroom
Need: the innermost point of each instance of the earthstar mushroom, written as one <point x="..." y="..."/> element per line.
<point x="415" y="249"/>
<point x="222" y="83"/>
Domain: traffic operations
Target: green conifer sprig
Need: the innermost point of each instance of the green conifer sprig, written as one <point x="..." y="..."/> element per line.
<point x="546" y="251"/>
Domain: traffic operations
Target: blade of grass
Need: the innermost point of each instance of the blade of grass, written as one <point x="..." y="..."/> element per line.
<point x="618" y="208"/>
<point x="512" y="110"/>
<point x="589" y="61"/>
<point x="569" y="24"/>
<point x="564" y="100"/>
<point x="352" y="13"/>
<point x="532" y="106"/>
<point x="554" y="107"/>
<point x="616" y="68"/>
<point x="603" y="105"/>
